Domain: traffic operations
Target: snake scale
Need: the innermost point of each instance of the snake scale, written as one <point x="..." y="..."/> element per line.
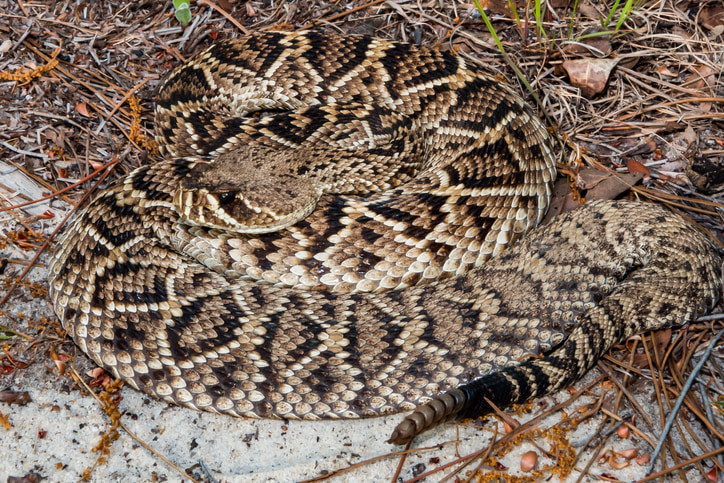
<point x="315" y="243"/>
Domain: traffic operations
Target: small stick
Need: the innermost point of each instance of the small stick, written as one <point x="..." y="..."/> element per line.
<point x="680" y="400"/>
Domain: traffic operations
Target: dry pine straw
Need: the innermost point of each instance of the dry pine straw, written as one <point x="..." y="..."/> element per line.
<point x="76" y="90"/>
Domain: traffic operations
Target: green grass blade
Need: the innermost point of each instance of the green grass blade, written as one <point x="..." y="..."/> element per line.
<point x="539" y="20"/>
<point x="611" y="13"/>
<point x="573" y="17"/>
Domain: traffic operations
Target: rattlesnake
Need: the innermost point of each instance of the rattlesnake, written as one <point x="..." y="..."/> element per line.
<point x="211" y="280"/>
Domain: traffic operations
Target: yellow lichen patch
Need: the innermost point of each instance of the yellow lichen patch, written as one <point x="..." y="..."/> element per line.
<point x="5" y="422"/>
<point x="110" y="399"/>
<point x="23" y="76"/>
<point x="135" y="132"/>
<point x="560" y="450"/>
<point x="37" y="290"/>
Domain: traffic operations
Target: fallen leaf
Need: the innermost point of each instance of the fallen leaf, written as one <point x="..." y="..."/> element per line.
<point x="61" y="361"/>
<point x="690" y="135"/>
<point x="646" y="146"/>
<point x="609" y="477"/>
<point x="663" y="70"/>
<point x="587" y="10"/>
<point x="680" y="32"/>
<point x="499" y="7"/>
<point x="5" y="46"/>
<point x="15" y="397"/>
<point x="500" y="466"/>
<point x="613" y="186"/>
<point x="615" y="464"/>
<point x="225" y="5"/>
<point x="712" y="475"/>
<point x="636" y="167"/>
<point x="95" y="372"/>
<point x="592" y="46"/>
<point x="605" y="184"/>
<point x="703" y="79"/>
<point x="589" y="75"/>
<point x="629" y="454"/>
<point x="588" y="178"/>
<point x="28" y="478"/>
<point x="562" y="200"/>
<point x="662" y="339"/>
<point x="712" y="17"/>
<point x="95" y="164"/>
<point x="82" y="109"/>
<point x="706" y="175"/>
<point x="560" y="3"/>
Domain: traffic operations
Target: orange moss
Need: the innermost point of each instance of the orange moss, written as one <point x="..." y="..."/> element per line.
<point x="23" y="76"/>
<point x="135" y="132"/>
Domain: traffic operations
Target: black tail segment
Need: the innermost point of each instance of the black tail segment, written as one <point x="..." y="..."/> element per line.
<point x="517" y="384"/>
<point x="503" y="388"/>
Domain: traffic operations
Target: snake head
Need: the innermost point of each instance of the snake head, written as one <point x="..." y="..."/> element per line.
<point x="241" y="193"/>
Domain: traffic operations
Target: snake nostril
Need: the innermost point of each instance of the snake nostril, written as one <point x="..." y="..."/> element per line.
<point x="226" y="198"/>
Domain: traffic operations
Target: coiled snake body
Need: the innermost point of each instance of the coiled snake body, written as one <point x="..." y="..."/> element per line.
<point x="314" y="244"/>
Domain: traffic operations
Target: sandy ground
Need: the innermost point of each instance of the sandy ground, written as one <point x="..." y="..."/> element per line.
<point x="233" y="450"/>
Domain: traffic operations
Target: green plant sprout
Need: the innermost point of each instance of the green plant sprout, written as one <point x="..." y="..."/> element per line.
<point x="183" y="13"/>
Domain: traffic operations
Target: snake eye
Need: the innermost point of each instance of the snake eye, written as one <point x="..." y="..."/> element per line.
<point x="226" y="198"/>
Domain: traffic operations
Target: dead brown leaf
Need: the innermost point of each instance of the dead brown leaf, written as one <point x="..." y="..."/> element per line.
<point x="15" y="397"/>
<point x="602" y="185"/>
<point x="703" y="79"/>
<point x="680" y="32"/>
<point x="225" y="5"/>
<point x="663" y="70"/>
<point x="589" y="11"/>
<point x="638" y="147"/>
<point x="82" y="109"/>
<point x="562" y="201"/>
<point x="712" y="17"/>
<point x="712" y="475"/>
<point x="690" y="135"/>
<point x="588" y="74"/>
<point x="600" y="44"/>
<point x="500" y="7"/>
<point x="636" y="167"/>
<point x="28" y="478"/>
<point x="661" y="338"/>
<point x="561" y="3"/>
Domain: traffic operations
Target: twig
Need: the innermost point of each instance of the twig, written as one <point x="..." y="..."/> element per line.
<point x="79" y="379"/>
<point x="679" y="401"/>
<point x="50" y="239"/>
<point x="67" y="188"/>
<point x="223" y="12"/>
<point x="23" y="152"/>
